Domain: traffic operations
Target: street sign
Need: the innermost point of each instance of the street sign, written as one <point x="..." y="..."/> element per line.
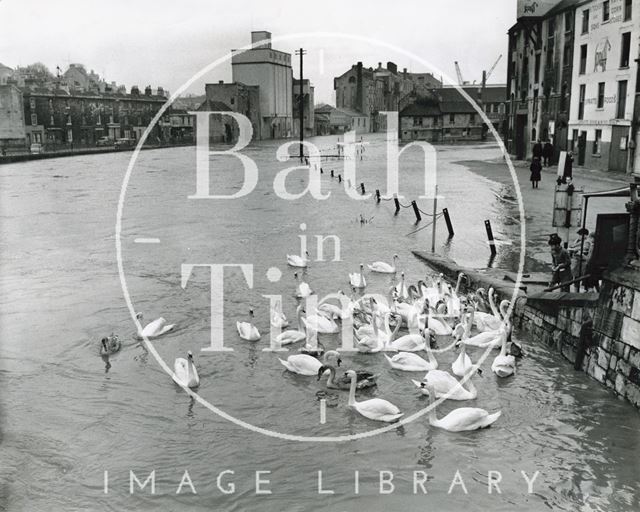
<point x="567" y="209"/>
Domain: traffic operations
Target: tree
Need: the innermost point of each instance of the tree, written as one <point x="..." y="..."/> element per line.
<point x="38" y="70"/>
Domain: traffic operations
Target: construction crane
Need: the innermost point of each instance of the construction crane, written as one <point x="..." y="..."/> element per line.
<point x="488" y="73"/>
<point x="459" y="73"/>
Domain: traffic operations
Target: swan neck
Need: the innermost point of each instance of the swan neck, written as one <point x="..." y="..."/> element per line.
<point x="352" y="391"/>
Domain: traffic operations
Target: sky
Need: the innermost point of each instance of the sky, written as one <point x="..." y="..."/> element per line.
<point x="164" y="43"/>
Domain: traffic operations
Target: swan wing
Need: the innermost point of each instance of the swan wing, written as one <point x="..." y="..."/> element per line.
<point x="290" y="336"/>
<point x="153" y="328"/>
<point x="408" y="343"/>
<point x="302" y="364"/>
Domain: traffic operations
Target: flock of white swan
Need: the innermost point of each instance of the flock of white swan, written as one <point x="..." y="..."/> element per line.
<point x="429" y="309"/>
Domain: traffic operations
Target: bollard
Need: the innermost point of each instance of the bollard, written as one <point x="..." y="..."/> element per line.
<point x="447" y="220"/>
<point x="332" y="173"/>
<point x="362" y="187"/>
<point x="339" y="178"/>
<point x="492" y="245"/>
<point x="395" y="200"/>
<point x="416" y="211"/>
<point x="377" y="195"/>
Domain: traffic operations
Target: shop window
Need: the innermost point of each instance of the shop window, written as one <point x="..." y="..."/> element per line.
<point x="596" y="142"/>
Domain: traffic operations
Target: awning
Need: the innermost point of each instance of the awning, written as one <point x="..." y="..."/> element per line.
<point x="616" y="192"/>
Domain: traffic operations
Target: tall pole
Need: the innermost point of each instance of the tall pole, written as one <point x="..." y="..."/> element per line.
<point x="435" y="209"/>
<point x="301" y="52"/>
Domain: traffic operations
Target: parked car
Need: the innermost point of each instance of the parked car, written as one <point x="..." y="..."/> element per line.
<point x="124" y="143"/>
<point x="104" y="141"/>
<point x="36" y="147"/>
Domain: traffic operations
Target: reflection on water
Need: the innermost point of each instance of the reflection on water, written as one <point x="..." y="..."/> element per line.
<point x="67" y="418"/>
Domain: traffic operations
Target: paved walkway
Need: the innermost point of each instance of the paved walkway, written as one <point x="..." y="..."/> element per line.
<point x="538" y="203"/>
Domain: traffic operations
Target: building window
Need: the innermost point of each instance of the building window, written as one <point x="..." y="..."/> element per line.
<point x="574" y="140"/>
<point x="596" y="142"/>
<point x="536" y="70"/>
<point x="583" y="59"/>
<point x="452" y="119"/>
<point x="32" y="103"/>
<point x="601" y="95"/>
<point x="51" y="120"/>
<point x="625" y="50"/>
<point x="472" y="118"/>
<point x="585" y="21"/>
<point x="568" y="21"/>
<point x="627" y="10"/>
<point x="417" y="121"/>
<point x="583" y="91"/>
<point x="34" y="119"/>
<point x="622" y="99"/>
<point x="566" y="55"/>
<point x="233" y="100"/>
<point x="605" y="11"/>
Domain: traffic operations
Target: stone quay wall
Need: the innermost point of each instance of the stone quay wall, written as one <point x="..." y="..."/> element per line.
<point x="613" y="356"/>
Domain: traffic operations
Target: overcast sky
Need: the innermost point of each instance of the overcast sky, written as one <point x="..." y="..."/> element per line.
<point x="158" y="42"/>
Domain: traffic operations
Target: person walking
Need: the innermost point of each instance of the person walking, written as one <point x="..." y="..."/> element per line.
<point x="537" y="149"/>
<point x="547" y="154"/>
<point x="561" y="263"/>
<point x="568" y="168"/>
<point x="579" y="250"/>
<point x="536" y="172"/>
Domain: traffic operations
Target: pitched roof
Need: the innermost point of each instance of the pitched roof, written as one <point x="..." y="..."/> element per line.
<point x="214" y="106"/>
<point x="421" y="109"/>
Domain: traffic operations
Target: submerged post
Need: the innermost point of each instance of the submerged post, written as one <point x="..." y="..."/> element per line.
<point x="332" y="173"/>
<point x="395" y="200"/>
<point x="377" y="195"/>
<point x="339" y="178"/>
<point x="492" y="244"/>
<point x="362" y="187"/>
<point x="416" y="211"/>
<point x="447" y="221"/>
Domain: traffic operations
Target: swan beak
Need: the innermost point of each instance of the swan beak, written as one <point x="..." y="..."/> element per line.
<point x="321" y="371"/>
<point x="480" y="372"/>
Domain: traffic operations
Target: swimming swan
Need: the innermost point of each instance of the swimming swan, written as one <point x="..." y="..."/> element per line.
<point x="185" y="372"/>
<point x="154" y="329"/>
<point x="375" y="409"/>
<point x="384" y="268"/>
<point x="247" y="330"/>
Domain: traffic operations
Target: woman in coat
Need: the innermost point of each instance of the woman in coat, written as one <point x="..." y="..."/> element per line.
<point x="536" y="172"/>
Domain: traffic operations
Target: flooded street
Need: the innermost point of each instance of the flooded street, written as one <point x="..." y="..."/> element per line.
<point x="66" y="418"/>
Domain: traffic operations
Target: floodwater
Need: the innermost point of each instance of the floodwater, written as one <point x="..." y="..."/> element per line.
<point x="67" y="418"/>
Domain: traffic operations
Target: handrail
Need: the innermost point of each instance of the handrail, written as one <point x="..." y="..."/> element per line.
<point x="555" y="287"/>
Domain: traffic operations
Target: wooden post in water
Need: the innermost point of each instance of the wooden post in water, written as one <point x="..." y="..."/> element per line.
<point x="416" y="211"/>
<point x="395" y="200"/>
<point x="362" y="188"/>
<point x="377" y="195"/>
<point x="332" y="173"/>
<point x="339" y="178"/>
<point x="447" y="221"/>
<point x="492" y="244"/>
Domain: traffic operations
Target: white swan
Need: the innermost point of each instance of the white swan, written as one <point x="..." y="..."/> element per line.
<point x="411" y="342"/>
<point x="357" y="280"/>
<point x="384" y="268"/>
<point x="320" y="324"/>
<point x="293" y="335"/>
<point x="278" y="318"/>
<point x="154" y="329"/>
<point x="298" y="261"/>
<point x="411" y="362"/>
<point x="446" y="385"/>
<point x="436" y="324"/>
<point x="463" y="363"/>
<point x="504" y="365"/>
<point x="185" y="372"/>
<point x="487" y="339"/>
<point x="462" y="419"/>
<point x="379" y="339"/>
<point x="247" y="330"/>
<point x="304" y="364"/>
<point x="375" y="409"/>
<point x="303" y="289"/>
<point x="401" y="288"/>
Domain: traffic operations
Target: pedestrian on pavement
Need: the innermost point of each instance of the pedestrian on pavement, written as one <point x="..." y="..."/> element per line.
<point x="591" y="282"/>
<point x="536" y="172"/>
<point x="568" y="168"/>
<point x="561" y="263"/>
<point x="579" y="250"/>
<point x="547" y="154"/>
<point x="537" y="149"/>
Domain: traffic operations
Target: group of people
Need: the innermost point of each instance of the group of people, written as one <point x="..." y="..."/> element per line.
<point x="573" y="262"/>
<point x="543" y="156"/>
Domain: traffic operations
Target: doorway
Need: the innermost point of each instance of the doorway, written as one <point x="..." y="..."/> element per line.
<point x="582" y="147"/>
<point x="618" y="149"/>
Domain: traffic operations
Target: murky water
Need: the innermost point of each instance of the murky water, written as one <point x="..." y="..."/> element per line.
<point x="66" y="420"/>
